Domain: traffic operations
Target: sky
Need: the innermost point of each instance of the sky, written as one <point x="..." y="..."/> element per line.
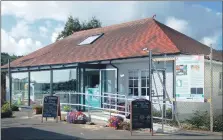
<point x="30" y="25"/>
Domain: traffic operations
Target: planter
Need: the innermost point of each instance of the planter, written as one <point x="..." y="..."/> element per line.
<point x="76" y="117"/>
<point x="37" y="111"/>
<point x="7" y="114"/>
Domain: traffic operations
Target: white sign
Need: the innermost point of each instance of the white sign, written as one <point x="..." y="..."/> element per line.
<point x="190" y="78"/>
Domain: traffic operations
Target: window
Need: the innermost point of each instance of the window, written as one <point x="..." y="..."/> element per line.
<point x="39" y="86"/>
<point x="90" y="39"/>
<point x="139" y="82"/>
<point x="133" y="83"/>
<point x="145" y="82"/>
<point x="220" y="80"/>
<point x="20" y="88"/>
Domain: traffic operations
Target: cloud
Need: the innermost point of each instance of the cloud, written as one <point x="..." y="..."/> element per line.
<point x="20" y="30"/>
<point x="22" y="46"/>
<point x="56" y="33"/>
<point x="48" y="24"/>
<point x="177" y="24"/>
<point x="211" y="40"/>
<point x="193" y="20"/>
<point x="43" y="31"/>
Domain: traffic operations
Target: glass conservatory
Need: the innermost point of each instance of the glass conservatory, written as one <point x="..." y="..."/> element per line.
<point x="28" y="86"/>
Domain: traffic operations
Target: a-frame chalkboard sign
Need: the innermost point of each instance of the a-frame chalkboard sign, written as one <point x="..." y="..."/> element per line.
<point x="140" y="116"/>
<point x="51" y="107"/>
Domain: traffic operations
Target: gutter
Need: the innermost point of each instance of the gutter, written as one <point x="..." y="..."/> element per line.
<point x="66" y="65"/>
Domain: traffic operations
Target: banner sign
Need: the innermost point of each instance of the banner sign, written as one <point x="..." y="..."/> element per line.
<point x="190" y="78"/>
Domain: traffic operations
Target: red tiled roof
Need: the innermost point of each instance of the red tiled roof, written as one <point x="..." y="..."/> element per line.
<point x="119" y="41"/>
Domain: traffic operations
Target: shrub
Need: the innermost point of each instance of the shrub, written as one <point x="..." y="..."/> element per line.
<point x="6" y="110"/>
<point x="199" y="119"/>
<point x="125" y="126"/>
<point x="38" y="109"/>
<point x="202" y="120"/>
<point x="67" y="108"/>
<point x="218" y="123"/>
<point x="76" y="117"/>
<point x="14" y="108"/>
<point x="115" y="122"/>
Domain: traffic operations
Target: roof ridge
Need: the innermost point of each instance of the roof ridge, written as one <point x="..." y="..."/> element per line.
<point x="159" y="23"/>
<point x="114" y="25"/>
<point x="155" y="21"/>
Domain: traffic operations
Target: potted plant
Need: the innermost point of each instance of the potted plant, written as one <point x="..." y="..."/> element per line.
<point x="76" y="117"/>
<point x="6" y="111"/>
<point x="14" y="107"/>
<point x="37" y="109"/>
<point x="67" y="108"/>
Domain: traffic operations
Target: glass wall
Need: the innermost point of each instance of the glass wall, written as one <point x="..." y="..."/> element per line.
<point x="65" y="83"/>
<point x="19" y="88"/>
<point x="39" y="86"/>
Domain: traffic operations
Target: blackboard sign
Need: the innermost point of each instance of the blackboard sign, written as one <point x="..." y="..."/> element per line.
<point x="50" y="106"/>
<point x="141" y="114"/>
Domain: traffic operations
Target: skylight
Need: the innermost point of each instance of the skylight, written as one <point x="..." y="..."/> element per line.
<point x="90" y="39"/>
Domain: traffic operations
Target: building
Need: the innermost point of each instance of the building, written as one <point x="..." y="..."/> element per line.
<point x="112" y="59"/>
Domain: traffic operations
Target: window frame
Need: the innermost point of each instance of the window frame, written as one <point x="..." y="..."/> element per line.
<point x="139" y="78"/>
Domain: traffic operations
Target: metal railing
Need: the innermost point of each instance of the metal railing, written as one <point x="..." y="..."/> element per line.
<point x="118" y="104"/>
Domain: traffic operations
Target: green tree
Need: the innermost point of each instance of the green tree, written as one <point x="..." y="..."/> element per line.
<point x="6" y="56"/>
<point x="73" y="25"/>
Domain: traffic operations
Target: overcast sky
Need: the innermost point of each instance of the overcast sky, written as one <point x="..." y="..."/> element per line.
<point x="29" y="25"/>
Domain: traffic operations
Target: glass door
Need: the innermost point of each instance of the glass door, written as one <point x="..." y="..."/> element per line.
<point x="108" y="87"/>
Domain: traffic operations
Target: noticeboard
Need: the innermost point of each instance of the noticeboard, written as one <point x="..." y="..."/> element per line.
<point x="141" y="114"/>
<point x="50" y="106"/>
<point x="190" y="78"/>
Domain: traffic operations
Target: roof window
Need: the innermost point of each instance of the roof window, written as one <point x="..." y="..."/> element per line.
<point x="90" y="39"/>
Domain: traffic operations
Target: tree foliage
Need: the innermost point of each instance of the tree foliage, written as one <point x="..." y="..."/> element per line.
<point x="73" y="25"/>
<point x="6" y="56"/>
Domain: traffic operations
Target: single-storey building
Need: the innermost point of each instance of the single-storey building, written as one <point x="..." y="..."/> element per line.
<point x="112" y="59"/>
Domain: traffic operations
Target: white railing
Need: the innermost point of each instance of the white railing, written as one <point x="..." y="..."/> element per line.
<point x="106" y="101"/>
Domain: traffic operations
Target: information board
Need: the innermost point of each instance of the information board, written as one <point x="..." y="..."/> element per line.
<point x="190" y="78"/>
<point x="50" y="106"/>
<point x="140" y="114"/>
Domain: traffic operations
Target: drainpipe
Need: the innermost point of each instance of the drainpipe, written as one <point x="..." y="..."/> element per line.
<point x="116" y="81"/>
<point x="117" y="74"/>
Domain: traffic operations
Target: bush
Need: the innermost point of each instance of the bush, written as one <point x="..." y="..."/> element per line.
<point x="218" y="123"/>
<point x="124" y="126"/>
<point x="76" y="117"/>
<point x="67" y="108"/>
<point x="14" y="108"/>
<point x="38" y="109"/>
<point x="115" y="122"/>
<point x="6" y="110"/>
<point x="199" y="119"/>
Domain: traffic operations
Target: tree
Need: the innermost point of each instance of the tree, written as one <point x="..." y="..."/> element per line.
<point x="73" y="25"/>
<point x="6" y="56"/>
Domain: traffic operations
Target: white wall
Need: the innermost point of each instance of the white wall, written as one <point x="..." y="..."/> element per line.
<point x="125" y="66"/>
<point x="184" y="109"/>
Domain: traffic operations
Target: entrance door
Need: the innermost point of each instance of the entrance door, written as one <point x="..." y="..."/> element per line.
<point x="92" y="88"/>
<point x="108" y="87"/>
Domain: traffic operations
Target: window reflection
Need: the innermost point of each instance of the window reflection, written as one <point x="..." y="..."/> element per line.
<point x="64" y="83"/>
<point x="20" y="88"/>
<point x="39" y="86"/>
